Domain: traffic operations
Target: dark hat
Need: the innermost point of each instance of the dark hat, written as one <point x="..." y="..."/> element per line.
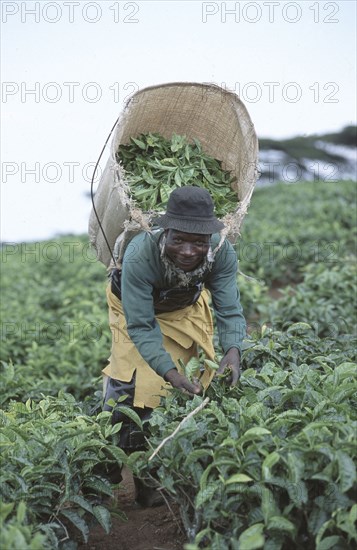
<point x="190" y="210"/>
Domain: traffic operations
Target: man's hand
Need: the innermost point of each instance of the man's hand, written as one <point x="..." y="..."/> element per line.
<point x="232" y="361"/>
<point x="179" y="381"/>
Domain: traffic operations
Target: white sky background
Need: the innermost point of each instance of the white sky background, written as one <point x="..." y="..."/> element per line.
<point x="292" y="63"/>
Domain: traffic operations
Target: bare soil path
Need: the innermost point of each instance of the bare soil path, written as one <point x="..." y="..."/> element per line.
<point x="145" y="529"/>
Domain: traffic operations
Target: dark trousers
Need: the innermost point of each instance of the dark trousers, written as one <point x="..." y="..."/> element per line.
<point x="132" y="438"/>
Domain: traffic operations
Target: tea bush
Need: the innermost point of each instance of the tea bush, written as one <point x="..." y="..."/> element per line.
<point x="290" y="226"/>
<point x="267" y="464"/>
<point x="17" y="533"/>
<point x="325" y="299"/>
<point x="55" y="330"/>
<point x="53" y="460"/>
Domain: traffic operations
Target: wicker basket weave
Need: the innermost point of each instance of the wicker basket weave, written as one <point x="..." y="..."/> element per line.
<point x="213" y="115"/>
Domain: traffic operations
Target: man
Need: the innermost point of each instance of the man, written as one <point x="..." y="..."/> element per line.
<point x="159" y="310"/>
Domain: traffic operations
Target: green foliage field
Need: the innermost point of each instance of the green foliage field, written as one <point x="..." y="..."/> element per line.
<point x="290" y="226"/>
<point x="269" y="464"/>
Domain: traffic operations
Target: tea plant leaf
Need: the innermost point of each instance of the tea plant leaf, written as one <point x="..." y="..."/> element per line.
<point x="347" y="471"/>
<point x="297" y="493"/>
<point x="103" y="517"/>
<point x="280" y="523"/>
<point x="212" y="364"/>
<point x="111" y="430"/>
<point x="252" y="538"/>
<point x="268" y="504"/>
<point x="255" y="410"/>
<point x="100" y="486"/>
<point x="177" y="178"/>
<point x="82" y="502"/>
<point x="207" y="493"/>
<point x="344" y="522"/>
<point x="346" y="370"/>
<point x="5" y="509"/>
<point x="274" y="542"/>
<point x="353" y="514"/>
<point x="239" y="478"/>
<point x="329" y="542"/>
<point x="130" y="413"/>
<point x="268" y="463"/>
<point x="204" y="477"/>
<point x="116" y="452"/>
<point x="139" y="143"/>
<point x="195" y="455"/>
<point x="107" y="414"/>
<point x="296" y="466"/>
<point x="299" y="327"/>
<point x="192" y="367"/>
<point x="77" y="521"/>
<point x="88" y="445"/>
<point x="257" y="431"/>
<point x="165" y="191"/>
<point x="322" y="530"/>
<point x="21" y="511"/>
<point x="220" y="416"/>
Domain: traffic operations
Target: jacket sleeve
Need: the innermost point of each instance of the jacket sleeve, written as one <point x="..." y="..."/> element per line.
<point x="143" y="328"/>
<point x="222" y="283"/>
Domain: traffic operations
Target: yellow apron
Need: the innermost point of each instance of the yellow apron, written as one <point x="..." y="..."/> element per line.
<point x="183" y="332"/>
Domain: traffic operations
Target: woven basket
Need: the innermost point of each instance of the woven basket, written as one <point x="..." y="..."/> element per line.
<point x="213" y="115"/>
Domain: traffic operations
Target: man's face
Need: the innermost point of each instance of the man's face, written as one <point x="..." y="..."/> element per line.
<point x="186" y="250"/>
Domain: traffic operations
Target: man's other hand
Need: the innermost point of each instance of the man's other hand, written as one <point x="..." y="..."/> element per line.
<point x="231" y="360"/>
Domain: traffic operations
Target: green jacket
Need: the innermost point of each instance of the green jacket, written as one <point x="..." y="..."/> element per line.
<point x="143" y="272"/>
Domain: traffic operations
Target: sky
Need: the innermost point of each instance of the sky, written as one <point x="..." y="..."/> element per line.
<point x="67" y="68"/>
